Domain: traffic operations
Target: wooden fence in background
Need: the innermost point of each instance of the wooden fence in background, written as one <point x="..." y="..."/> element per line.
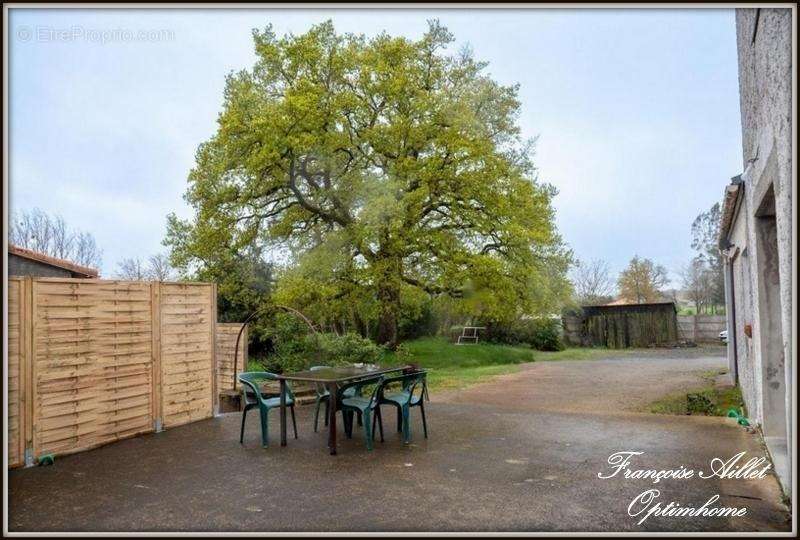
<point x="226" y="349"/>
<point x="94" y="361"/>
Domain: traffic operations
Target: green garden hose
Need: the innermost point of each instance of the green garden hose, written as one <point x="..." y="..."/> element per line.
<point x="739" y="415"/>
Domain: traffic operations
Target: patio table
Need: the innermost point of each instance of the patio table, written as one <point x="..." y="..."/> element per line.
<point x="331" y="377"/>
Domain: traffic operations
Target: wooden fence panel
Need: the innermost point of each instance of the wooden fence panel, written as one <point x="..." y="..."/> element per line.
<point x="188" y="318"/>
<point x="92" y="363"/>
<point x="16" y="429"/>
<point x="226" y="352"/>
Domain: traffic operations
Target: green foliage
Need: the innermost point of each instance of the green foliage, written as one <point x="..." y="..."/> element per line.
<point x="438" y="353"/>
<point x="708" y="400"/>
<point x="541" y="333"/>
<point x="642" y="280"/>
<point x="255" y="365"/>
<point x="576" y="353"/>
<point x="326" y="349"/>
<point x="453" y="366"/>
<point x="547" y="335"/>
<point x="388" y="167"/>
<point x="244" y="281"/>
<point x="699" y="403"/>
<point x="417" y="317"/>
<point x="705" y="238"/>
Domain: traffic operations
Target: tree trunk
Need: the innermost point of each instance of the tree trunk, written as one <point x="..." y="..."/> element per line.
<point x="361" y="326"/>
<point x="389" y="299"/>
<point x="391" y="271"/>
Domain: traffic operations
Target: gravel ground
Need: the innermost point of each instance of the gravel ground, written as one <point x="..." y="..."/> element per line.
<point x="616" y="381"/>
<point x="521" y="453"/>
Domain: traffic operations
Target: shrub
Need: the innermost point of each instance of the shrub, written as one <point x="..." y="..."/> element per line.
<point x="699" y="403"/>
<point x="254" y="365"/>
<point x="547" y="335"/>
<point x="417" y="321"/>
<point x="321" y="349"/>
<point x="543" y="334"/>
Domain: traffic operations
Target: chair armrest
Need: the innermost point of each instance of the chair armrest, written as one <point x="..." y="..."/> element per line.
<point x="378" y="381"/>
<point x="248" y="380"/>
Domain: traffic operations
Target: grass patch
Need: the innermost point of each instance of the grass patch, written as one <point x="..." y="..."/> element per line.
<point x="706" y="400"/>
<point x="457" y="378"/>
<point x="452" y="366"/>
<point x="583" y="353"/>
<point x="439" y="353"/>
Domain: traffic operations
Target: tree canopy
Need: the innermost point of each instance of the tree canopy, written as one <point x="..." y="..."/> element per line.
<point x="705" y="238"/>
<point x="385" y="168"/>
<point x="642" y="281"/>
<point x="49" y="234"/>
<point x="592" y="282"/>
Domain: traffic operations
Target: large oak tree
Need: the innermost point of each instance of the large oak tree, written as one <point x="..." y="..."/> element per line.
<point x="383" y="165"/>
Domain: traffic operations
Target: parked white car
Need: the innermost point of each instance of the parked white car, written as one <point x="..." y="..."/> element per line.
<point x="723" y="336"/>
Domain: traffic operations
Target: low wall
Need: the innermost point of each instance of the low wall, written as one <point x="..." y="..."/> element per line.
<point x="573" y="331"/>
<point x="701" y="328"/>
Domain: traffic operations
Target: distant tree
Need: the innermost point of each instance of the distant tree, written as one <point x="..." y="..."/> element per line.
<point x="131" y="269"/>
<point x="642" y="280"/>
<point x="705" y="238"/>
<point x="592" y="282"/>
<point x="698" y="281"/>
<point x="159" y="268"/>
<point x="85" y="250"/>
<point x="49" y="234"/>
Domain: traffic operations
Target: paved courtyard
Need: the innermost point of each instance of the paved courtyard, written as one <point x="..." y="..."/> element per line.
<point x="521" y="453"/>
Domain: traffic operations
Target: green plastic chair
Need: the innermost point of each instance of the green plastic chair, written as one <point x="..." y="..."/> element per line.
<point x="405" y="399"/>
<point x="363" y="406"/>
<point x="322" y="395"/>
<point x="253" y="397"/>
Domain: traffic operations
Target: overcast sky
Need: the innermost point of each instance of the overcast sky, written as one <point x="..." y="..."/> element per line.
<point x="637" y="112"/>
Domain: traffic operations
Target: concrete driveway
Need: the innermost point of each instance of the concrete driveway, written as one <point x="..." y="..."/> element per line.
<point x="521" y="453"/>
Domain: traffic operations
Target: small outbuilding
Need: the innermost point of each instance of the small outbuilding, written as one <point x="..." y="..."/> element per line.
<point x="619" y="325"/>
<point x="26" y="262"/>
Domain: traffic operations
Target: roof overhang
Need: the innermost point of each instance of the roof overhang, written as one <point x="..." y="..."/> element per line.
<point x="82" y="271"/>
<point x="730" y="207"/>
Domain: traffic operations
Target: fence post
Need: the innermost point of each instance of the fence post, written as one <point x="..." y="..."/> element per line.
<point x="30" y="450"/>
<point x="214" y="362"/>
<point x="27" y="385"/>
<point x="245" y="341"/>
<point x="155" y="331"/>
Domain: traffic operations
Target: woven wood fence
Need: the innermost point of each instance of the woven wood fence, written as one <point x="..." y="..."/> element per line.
<point x="226" y="352"/>
<point x="94" y="361"/>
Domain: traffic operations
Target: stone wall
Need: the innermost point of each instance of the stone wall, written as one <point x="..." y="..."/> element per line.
<point x="573" y="331"/>
<point x="701" y="328"/>
<point x="759" y="257"/>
